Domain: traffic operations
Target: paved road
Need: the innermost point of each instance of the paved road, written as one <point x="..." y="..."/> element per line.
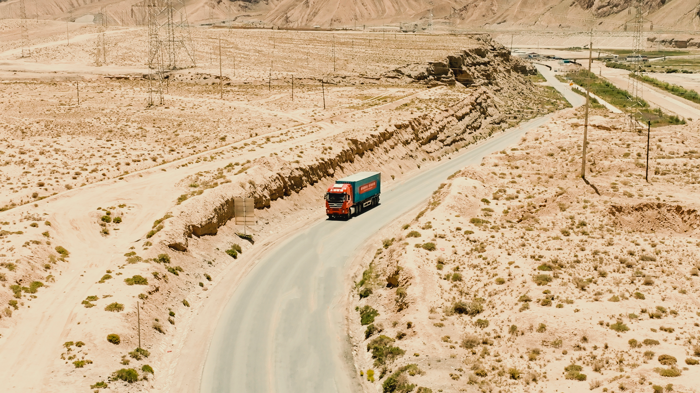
<point x="656" y="97"/>
<point x="282" y="331"/>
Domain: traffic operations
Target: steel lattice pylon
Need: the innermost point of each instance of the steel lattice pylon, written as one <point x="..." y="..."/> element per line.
<point x="170" y="44"/>
<point x="635" y="86"/>
<point x="25" y="30"/>
<point x="168" y="31"/>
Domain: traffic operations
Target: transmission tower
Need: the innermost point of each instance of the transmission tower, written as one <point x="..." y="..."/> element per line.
<point x="170" y="44"/>
<point x="101" y="41"/>
<point x="25" y="30"/>
<point x="635" y="86"/>
<point x="168" y="31"/>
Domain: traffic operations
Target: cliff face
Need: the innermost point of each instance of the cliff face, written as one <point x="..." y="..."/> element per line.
<point x="497" y="94"/>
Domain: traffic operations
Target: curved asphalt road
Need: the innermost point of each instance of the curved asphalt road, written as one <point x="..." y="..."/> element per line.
<point x="282" y="331"/>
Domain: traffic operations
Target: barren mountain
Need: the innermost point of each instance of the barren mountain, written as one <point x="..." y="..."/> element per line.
<point x="461" y="14"/>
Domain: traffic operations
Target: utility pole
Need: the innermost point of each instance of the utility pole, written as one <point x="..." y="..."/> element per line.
<point x="138" y="321"/>
<point x="221" y="83"/>
<point x="648" y="140"/>
<point x="511" y="43"/>
<point x="588" y="99"/>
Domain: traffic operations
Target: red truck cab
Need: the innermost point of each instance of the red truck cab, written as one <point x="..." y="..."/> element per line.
<point x="339" y="200"/>
<point x="351" y="195"/>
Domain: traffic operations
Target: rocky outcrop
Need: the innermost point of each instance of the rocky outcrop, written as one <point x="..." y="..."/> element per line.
<point x="486" y="64"/>
<point x="603" y="8"/>
<point x="497" y="87"/>
<point x="271" y="178"/>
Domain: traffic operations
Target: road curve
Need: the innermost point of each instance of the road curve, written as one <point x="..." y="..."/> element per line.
<point x="283" y="331"/>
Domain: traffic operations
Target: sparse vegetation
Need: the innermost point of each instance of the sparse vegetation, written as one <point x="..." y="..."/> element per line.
<point x="114" y="339"/>
<point x="114" y="307"/>
<point x="126" y="374"/>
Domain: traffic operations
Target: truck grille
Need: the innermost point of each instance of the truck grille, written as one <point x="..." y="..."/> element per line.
<point x="335" y="205"/>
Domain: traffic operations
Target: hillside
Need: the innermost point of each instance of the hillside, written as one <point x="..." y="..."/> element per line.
<point x="462" y="14"/>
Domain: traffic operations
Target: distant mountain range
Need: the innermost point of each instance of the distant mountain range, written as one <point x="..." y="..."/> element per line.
<point x="664" y="15"/>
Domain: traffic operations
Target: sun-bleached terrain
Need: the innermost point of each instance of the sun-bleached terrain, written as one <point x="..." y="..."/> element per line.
<point x="520" y="276"/>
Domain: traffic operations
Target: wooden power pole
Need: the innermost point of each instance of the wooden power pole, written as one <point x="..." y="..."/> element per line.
<point x="648" y="141"/>
<point x="221" y="83"/>
<point x="588" y="99"/>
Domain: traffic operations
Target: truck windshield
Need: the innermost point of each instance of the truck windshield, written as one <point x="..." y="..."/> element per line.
<point x="335" y="198"/>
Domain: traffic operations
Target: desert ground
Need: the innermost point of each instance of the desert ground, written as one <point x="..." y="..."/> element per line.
<point x="518" y="275"/>
<point x="119" y="245"/>
<point x="111" y="211"/>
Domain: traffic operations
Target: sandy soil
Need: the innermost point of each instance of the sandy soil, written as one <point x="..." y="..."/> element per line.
<point x="518" y="276"/>
<point x="91" y="185"/>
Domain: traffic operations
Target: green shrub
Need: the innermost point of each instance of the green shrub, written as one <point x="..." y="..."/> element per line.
<point x="468" y="308"/>
<point x="386" y="243"/>
<point x="667" y="360"/>
<point x="99" y="385"/>
<point x="650" y="342"/>
<point x="371" y="330"/>
<point x="639" y="295"/>
<point x="542" y="279"/>
<point x="246" y="237"/>
<point x="114" y="307"/>
<point x="482" y="323"/>
<point x="105" y="278"/>
<point x="619" y="327"/>
<point x="429" y="246"/>
<point x="62" y="251"/>
<point x="657" y="388"/>
<point x="139" y="353"/>
<point x="147" y="369"/>
<point x="370" y="375"/>
<point x="33" y="287"/>
<point x="136" y="280"/>
<point x="398" y="383"/>
<point x="383" y="351"/>
<point x="126" y="374"/>
<point x="691" y="361"/>
<point x="545" y="267"/>
<point x="234" y="251"/>
<point x="367" y="315"/>
<point x="81" y="363"/>
<point x="456" y="277"/>
<point x="500" y="281"/>
<point x="413" y="234"/>
<point x="117" y="220"/>
<point x="365" y="292"/>
<point x="17" y="290"/>
<point x="114" y="339"/>
<point x="185" y="303"/>
<point x="106" y="219"/>
<point x="174" y="270"/>
<point x="573" y="372"/>
<point x="668" y="372"/>
<point x="163" y="258"/>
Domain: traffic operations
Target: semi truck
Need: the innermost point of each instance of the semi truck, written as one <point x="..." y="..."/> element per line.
<point x="351" y="195"/>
